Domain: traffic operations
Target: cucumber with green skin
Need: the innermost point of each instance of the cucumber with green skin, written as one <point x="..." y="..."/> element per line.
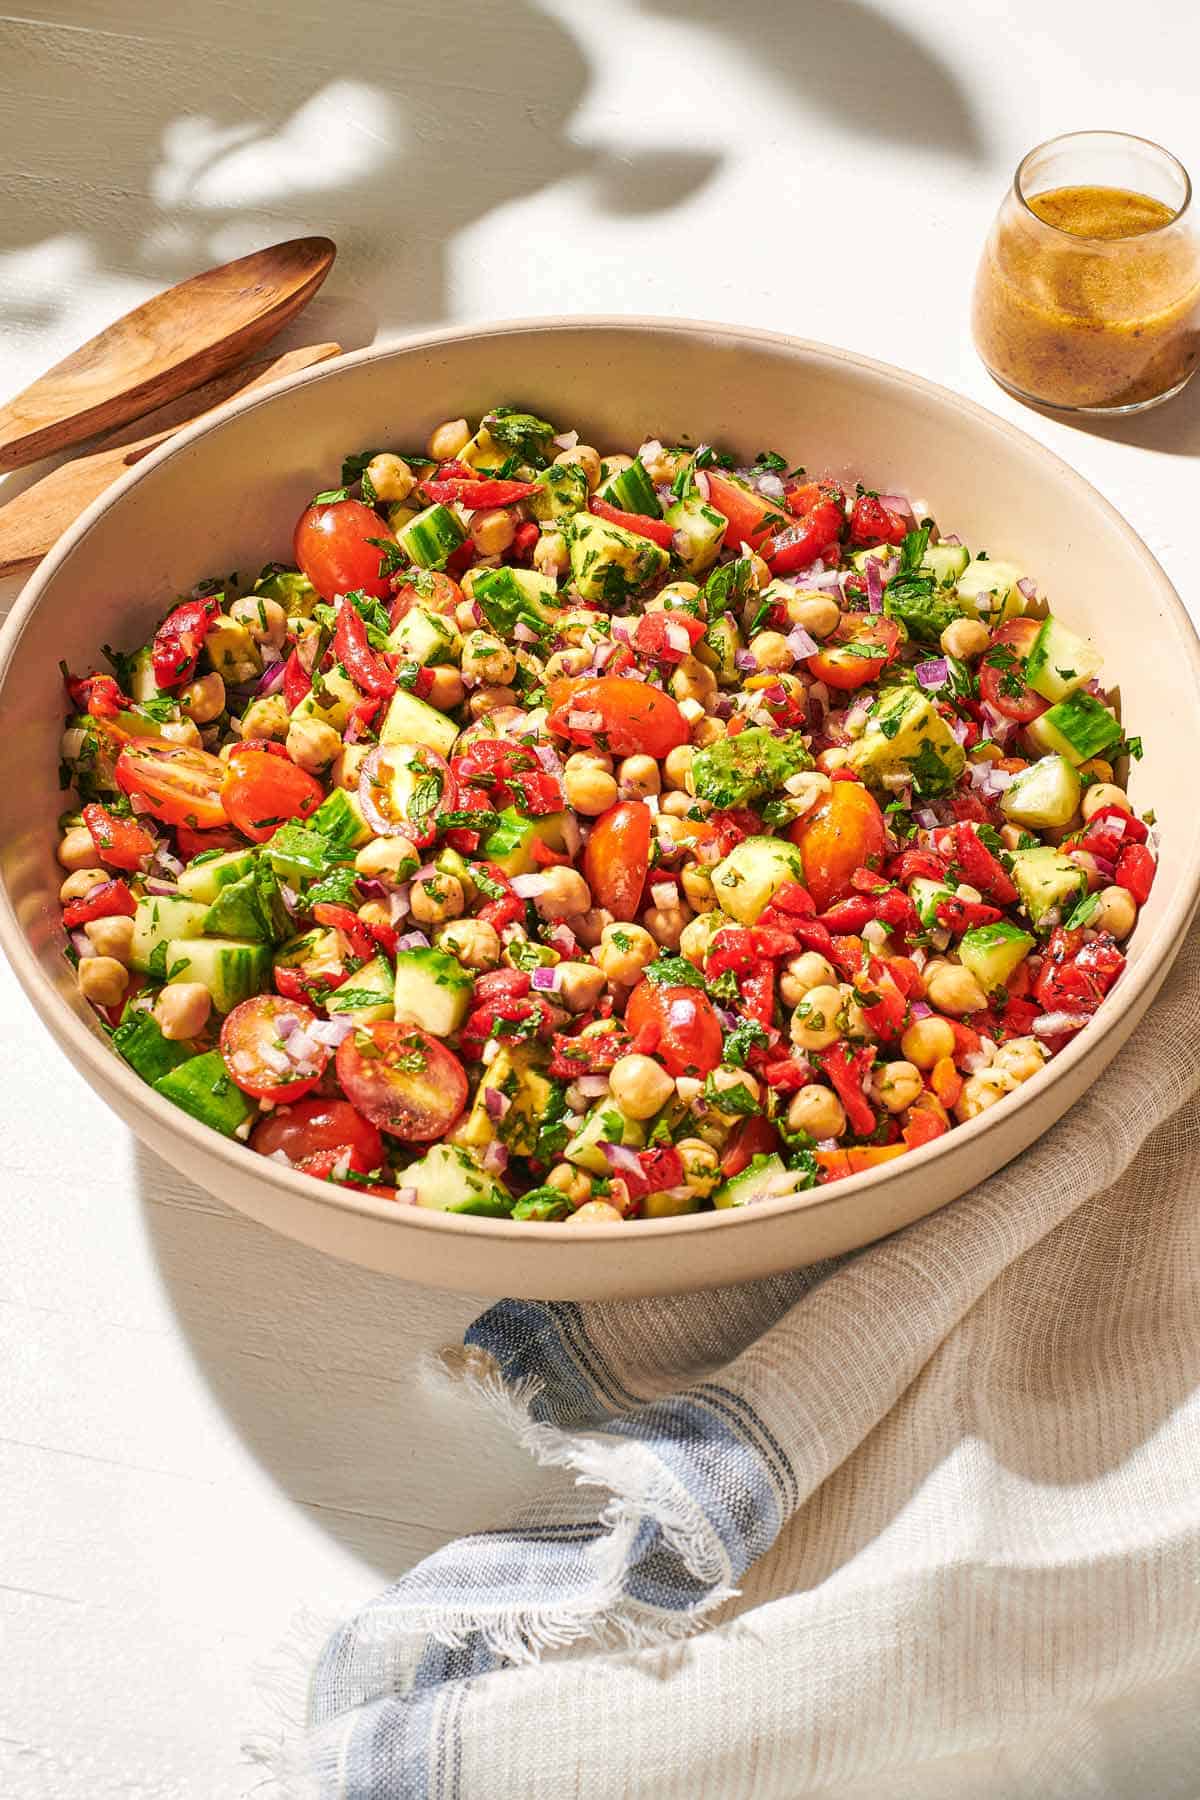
<point x="432" y="537"/>
<point x="994" y="952"/>
<point x="511" y="597"/>
<point x="159" y="918"/>
<point x="411" y="721"/>
<point x="945" y="562"/>
<point x="433" y="989"/>
<point x="368" y="996"/>
<point x="605" y="1124"/>
<point x="448" y="1179"/>
<point x="203" y="1087"/>
<point x="231" y="970"/>
<point x="1060" y="662"/>
<point x="756" y="1182"/>
<point x="204" y="880"/>
<point x="1078" y="728"/>
<point x="631" y="490"/>
<point x="140" y="1041"/>
<point x="1044" y="796"/>
<point x="340" y="821"/>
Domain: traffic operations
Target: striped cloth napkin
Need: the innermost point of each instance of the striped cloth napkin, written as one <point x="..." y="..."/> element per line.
<point x="921" y="1522"/>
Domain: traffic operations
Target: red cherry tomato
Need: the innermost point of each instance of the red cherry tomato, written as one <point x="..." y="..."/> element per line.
<point x="689" y="1031"/>
<point x="871" y="522"/>
<point x="191" y="844"/>
<point x="253" y="1044"/>
<point x="332" y="545"/>
<point x="617" y="857"/>
<point x="755" y="1136"/>
<point x="179" y="641"/>
<point x="844" y="832"/>
<point x="822" y="516"/>
<point x="1002" y="672"/>
<point x="310" y="1126"/>
<point x="181" y="786"/>
<point x="617" y="714"/>
<point x="429" y="589"/>
<point x="403" y="1080"/>
<point x="121" y="843"/>
<point x="261" y="792"/>
<point x="858" y="652"/>
<point x="402" y="788"/>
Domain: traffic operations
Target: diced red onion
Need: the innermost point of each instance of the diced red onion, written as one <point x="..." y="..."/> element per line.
<point x="578" y="720"/>
<point x="801" y="644"/>
<point x="331" y="1031"/>
<point x="406" y="1196"/>
<point x="81" y="943"/>
<point x="1027" y="587"/>
<point x="353" y="729"/>
<point x="933" y="673"/>
<point x="702" y="487"/>
<point x="952" y="539"/>
<point x="271" y="679"/>
<point x="897" y="503"/>
<point x="276" y="1060"/>
<point x="958" y="730"/>
<point x="524" y="634"/>
<point x="926" y="816"/>
<point x="548" y="979"/>
<point x="412" y="940"/>
<point x="999" y="729"/>
<point x="1051" y="1024"/>
<point x="920" y="1009"/>
<point x="497" y="1103"/>
<point x="567" y="440"/>
<point x="138" y="803"/>
<point x="858" y="713"/>
<point x="770" y="486"/>
<point x="527" y="887"/>
<point x="400" y="902"/>
<point x="818" y="578"/>
<point x="874" y="585"/>
<point x="603" y="655"/>
<point x="746" y="661"/>
<point x="677" y="638"/>
<point x="665" y="895"/>
<point x="495" y="1158"/>
<point x="592" y="1086"/>
<point x="156" y="885"/>
<point x="563" y="939"/>
<point x="620" y="1158"/>
<point x="549" y="758"/>
<point x="372" y="890"/>
<point x="284" y="1160"/>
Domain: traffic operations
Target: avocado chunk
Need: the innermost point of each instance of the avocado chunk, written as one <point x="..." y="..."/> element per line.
<point x="609" y="563"/>
<point x="993" y="952"/>
<point x="1048" y="883"/>
<point x="739" y="769"/>
<point x="293" y="591"/>
<point x="988" y="591"/>
<point x="510" y="842"/>
<point x="516" y="1073"/>
<point x="331" y="700"/>
<point x="907" y="736"/>
<point x="448" y="1179"/>
<point x="564" y="491"/>
<point x="231" y="650"/>
<point x="746" y="881"/>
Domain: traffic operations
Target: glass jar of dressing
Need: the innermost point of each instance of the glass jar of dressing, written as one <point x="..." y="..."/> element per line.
<point x="1088" y="292"/>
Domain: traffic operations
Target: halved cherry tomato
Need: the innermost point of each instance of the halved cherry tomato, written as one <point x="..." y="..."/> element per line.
<point x="121" y="843"/>
<point x="310" y="1126"/>
<point x="403" y="1080"/>
<point x="332" y="545"/>
<point x="190" y="843"/>
<point x="617" y="714"/>
<point x="180" y="639"/>
<point x="858" y="652"/>
<point x="403" y="787"/>
<point x="689" y="1040"/>
<point x="845" y="831"/>
<point x="837" y="1164"/>
<point x="657" y="530"/>
<point x="253" y="1040"/>
<point x="429" y="589"/>
<point x="261" y="792"/>
<point x="98" y="695"/>
<point x="871" y="522"/>
<point x="819" y="526"/>
<point x="755" y="1136"/>
<point x="751" y="518"/>
<point x="1002" y="672"/>
<point x="181" y="786"/>
<point x="617" y="857"/>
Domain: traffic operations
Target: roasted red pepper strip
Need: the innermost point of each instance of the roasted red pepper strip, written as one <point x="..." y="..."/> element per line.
<point x="786" y="1075"/>
<point x="594" y="1054"/>
<point x="963" y="915"/>
<point x="980" y="868"/>
<point x="923" y="1126"/>
<point x="913" y="864"/>
<point x="1076" y="973"/>
<point x="653" y="633"/>
<point x="657" y="1169"/>
<point x="121" y="843"/>
<point x="477" y="493"/>
<point x="179" y="641"/>
<point x="657" y="530"/>
<point x="1135" y="872"/>
<point x="741" y="947"/>
<point x="365" y="667"/>
<point x="887" y="1015"/>
<point x="499" y="913"/>
<point x="871" y="522"/>
<point x="502" y="984"/>
<point x="757" y="991"/>
<point x="817" y="528"/>
<point x="296" y="681"/>
<point x="98" y="695"/>
<point x="107" y="900"/>
<point x="847" y="1071"/>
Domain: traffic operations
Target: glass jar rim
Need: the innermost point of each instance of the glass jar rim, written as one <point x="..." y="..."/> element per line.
<point x="1127" y="137"/>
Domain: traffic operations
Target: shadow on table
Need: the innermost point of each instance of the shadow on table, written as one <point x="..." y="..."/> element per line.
<point x="1172" y="429"/>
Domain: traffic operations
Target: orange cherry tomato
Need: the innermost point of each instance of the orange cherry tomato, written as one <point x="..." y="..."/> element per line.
<point x="254" y="1046"/>
<point x="611" y="712"/>
<point x="690" y="1038"/>
<point x="402" y="1080"/>
<point x="844" y="832"/>
<point x="837" y="1164"/>
<point x="859" y="651"/>
<point x="751" y="518"/>
<point x="332" y="545"/>
<point x="617" y="857"/>
<point x="262" y="792"/>
<point x="180" y="786"/>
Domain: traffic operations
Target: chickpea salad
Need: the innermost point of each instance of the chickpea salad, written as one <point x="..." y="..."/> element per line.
<point x="564" y="836"/>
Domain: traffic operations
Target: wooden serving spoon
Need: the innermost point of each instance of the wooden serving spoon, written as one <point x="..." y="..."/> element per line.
<point x="164" y="348"/>
<point x="33" y="521"/>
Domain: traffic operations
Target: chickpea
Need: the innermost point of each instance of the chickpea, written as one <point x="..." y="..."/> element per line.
<point x="550" y="555"/>
<point x="111" y="937"/>
<point x="447" y="439"/>
<point x="697" y="886"/>
<point x="640" y="1086"/>
<point x="707" y="731"/>
<point x="203" y="700"/>
<point x="589" y="788"/>
<point x="446" y="690"/>
<point x="374" y="912"/>
<point x="81" y="883"/>
<point x="464" y="613"/>
<point x="701" y="1167"/>
<point x="580" y="985"/>
<point x="181" y="1010"/>
<point x="666" y="923"/>
<point x="585" y="458"/>
<point x="486" y="662"/>
<point x="1100" y="794"/>
<point x="390" y="860"/>
<point x="347" y="766"/>
<point x="818" y="1111"/>
<point x="1096" y="768"/>
<point x="816" y="1020"/>
<point x="264" y="619"/>
<point x="803" y="973"/>
<point x="677" y="767"/>
<point x="698" y="934"/>
<point x="981" y="1091"/>
<point x="595" y="1212"/>
<point x="563" y="894"/>
<point x="1021" y="1058"/>
<point x="493" y="531"/>
<point x="760" y="574"/>
<point x="675" y="595"/>
<point x="76" y="850"/>
<point x="966" y="639"/>
<point x="675" y="805"/>
<point x="896" y="1085"/>
<point x="390" y="476"/>
<point x="1118" y="912"/>
<point x="267" y="717"/>
<point x="815" y="613"/>
<point x="474" y="942"/>
<point x="829" y="760"/>
<point x="624" y="951"/>
<point x="927" y="1041"/>
<point x="639" y="776"/>
<point x="487" y="700"/>
<point x="954" y="990"/>
<point x="436" y="898"/>
<point x="661" y="464"/>
<point x="811" y="786"/>
<point x="102" y="980"/>
<point x="771" y="650"/>
<point x="571" y="661"/>
<point x="181" y="731"/>
<point x="312" y="744"/>
<point x="590" y="926"/>
<point x="692" y="681"/>
<point x="574" y="1184"/>
<point x="733" y="1081"/>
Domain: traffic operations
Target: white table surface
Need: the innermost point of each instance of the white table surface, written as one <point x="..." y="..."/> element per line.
<point x="205" y="1429"/>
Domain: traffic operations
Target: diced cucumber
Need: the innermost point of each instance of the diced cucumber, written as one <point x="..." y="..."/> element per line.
<point x="510" y="842"/>
<point x="158" y="919"/>
<point x="609" y="563"/>
<point x="1044" y="796"/>
<point x="433" y="989"/>
<point x="426" y="638"/>
<point x="718" y="648"/>
<point x="1060" y="662"/>
<point x="605" y="1124"/>
<point x="746" y="881"/>
<point x="202" y="1086"/>
<point x="448" y="1179"/>
<point x="515" y="1072"/>
<point x="631" y="490"/>
<point x="762" y="1178"/>
<point x="1048" y="882"/>
<point x="229" y="969"/>
<point x="432" y="537"/>
<point x="945" y="562"/>
<point x="907" y="736"/>
<point x="231" y="651"/>
<point x="143" y="684"/>
<point x="699" y="533"/>
<point x="564" y="490"/>
<point x="250" y="908"/>
<point x="330" y="699"/>
<point x="293" y="591"/>
<point x="988" y="590"/>
<point x="410" y="721"/>
<point x="1079" y="728"/>
<point x="89" y="756"/>
<point x="148" y="1053"/>
<point x="367" y="996"/>
<point x="340" y="821"/>
<point x="927" y="896"/>
<point x="203" y="880"/>
<point x="511" y="597"/>
<point x="992" y="952"/>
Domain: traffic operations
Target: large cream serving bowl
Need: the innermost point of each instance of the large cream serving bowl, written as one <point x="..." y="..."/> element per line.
<point x="226" y="494"/>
